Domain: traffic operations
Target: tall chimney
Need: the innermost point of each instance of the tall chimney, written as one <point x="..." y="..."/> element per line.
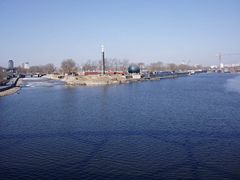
<point x="103" y="59"/>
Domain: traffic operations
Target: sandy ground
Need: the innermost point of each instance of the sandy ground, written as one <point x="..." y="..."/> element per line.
<point x="92" y="80"/>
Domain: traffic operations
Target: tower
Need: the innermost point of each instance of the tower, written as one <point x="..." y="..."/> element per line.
<point x="220" y="60"/>
<point x="103" y="60"/>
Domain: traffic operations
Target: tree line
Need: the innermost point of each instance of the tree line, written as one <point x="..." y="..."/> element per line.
<point x="3" y="74"/>
<point x="69" y="66"/>
<point x="41" y="69"/>
<point x="160" y="66"/>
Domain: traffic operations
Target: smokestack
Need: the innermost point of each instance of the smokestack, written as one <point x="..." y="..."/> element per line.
<point x="103" y="59"/>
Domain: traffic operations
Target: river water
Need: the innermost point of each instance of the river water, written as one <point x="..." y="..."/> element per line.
<point x="184" y="128"/>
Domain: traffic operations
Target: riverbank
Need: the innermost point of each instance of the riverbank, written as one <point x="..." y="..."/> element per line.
<point x="13" y="89"/>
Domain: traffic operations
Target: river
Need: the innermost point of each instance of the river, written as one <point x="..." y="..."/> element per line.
<point x="184" y="128"/>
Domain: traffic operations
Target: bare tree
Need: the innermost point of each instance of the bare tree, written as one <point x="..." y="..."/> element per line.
<point x="21" y="70"/>
<point x="49" y="68"/>
<point x="110" y="64"/>
<point x="116" y="64"/>
<point x="183" y="67"/>
<point x="68" y="66"/>
<point x="141" y="66"/>
<point x="90" y="65"/>
<point x="124" y="65"/>
<point x="172" y="67"/>
<point x="198" y="66"/>
<point x="35" y="69"/>
<point x="157" y="66"/>
<point x="3" y="74"/>
<point x="87" y="66"/>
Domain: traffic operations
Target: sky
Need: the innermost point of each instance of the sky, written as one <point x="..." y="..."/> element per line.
<point x="170" y="31"/>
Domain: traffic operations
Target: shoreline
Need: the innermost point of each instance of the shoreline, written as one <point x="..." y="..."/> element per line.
<point x="101" y="80"/>
<point x="12" y="90"/>
<point x="91" y="80"/>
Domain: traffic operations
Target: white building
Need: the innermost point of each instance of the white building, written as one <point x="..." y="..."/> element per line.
<point x="26" y="65"/>
<point x="221" y="65"/>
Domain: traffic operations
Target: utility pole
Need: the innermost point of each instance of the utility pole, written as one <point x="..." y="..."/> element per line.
<point x="220" y="60"/>
<point x="103" y="60"/>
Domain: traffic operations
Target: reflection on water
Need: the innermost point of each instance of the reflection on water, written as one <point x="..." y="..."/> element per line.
<point x="186" y="128"/>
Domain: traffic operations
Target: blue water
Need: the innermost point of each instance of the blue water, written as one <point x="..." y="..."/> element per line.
<point x="184" y="128"/>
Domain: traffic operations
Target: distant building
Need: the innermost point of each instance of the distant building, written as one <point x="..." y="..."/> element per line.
<point x="10" y="71"/>
<point x="26" y="65"/>
<point x="10" y="65"/>
<point x="213" y="66"/>
<point x="221" y="65"/>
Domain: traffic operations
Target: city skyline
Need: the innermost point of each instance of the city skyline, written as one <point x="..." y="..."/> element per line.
<point x="42" y="32"/>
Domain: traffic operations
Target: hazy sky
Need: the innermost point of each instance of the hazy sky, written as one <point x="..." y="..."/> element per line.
<point x="43" y="31"/>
